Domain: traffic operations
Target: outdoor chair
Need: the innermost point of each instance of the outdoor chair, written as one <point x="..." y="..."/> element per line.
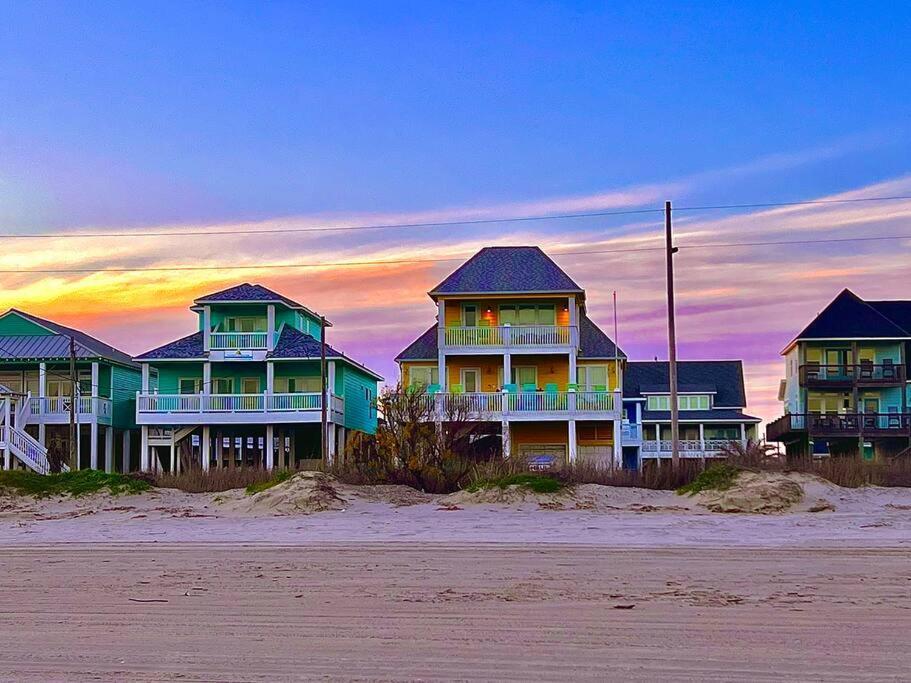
<point x="889" y="371"/>
<point x="866" y="369"/>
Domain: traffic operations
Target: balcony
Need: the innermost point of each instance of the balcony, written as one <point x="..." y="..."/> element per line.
<point x="235" y="408"/>
<point x="56" y="410"/>
<point x="528" y="337"/>
<point x="631" y="433"/>
<point x="816" y="376"/>
<point x="239" y="341"/>
<point x="794" y="425"/>
<point x="526" y="405"/>
<point x="687" y="448"/>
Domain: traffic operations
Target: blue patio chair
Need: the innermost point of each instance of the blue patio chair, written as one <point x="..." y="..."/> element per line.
<point x="433" y="389"/>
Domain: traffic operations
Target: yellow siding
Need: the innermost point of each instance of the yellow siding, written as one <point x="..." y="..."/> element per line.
<point x="489" y="367"/>
<point x="551" y="368"/>
<point x="538" y="433"/>
<point x="405" y="365"/>
<point x="611" y="370"/>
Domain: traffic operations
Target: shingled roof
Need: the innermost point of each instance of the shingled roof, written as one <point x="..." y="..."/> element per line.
<point x="507" y="270"/>
<point x="57" y="344"/>
<point x="246" y="292"/>
<point x="593" y="342"/>
<point x="724" y="378"/>
<point x="849" y="317"/>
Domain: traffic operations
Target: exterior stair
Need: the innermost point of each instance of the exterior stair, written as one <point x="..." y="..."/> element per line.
<point x="20" y="444"/>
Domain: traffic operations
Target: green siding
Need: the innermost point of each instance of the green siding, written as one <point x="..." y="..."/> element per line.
<point x="126" y="382"/>
<point x="360" y="413"/>
<point x="15" y="324"/>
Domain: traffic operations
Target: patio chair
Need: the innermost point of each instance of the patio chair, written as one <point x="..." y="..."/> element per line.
<point x="889" y="371"/>
<point x="457" y="389"/>
<point x="866" y="369"/>
<point x="433" y="389"/>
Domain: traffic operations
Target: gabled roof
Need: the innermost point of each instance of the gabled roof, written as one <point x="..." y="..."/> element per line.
<point x="507" y="270"/>
<point x="593" y="343"/>
<point x="247" y="293"/>
<point x="724" y="377"/>
<point x="291" y="344"/>
<point x="849" y="317"/>
<point x="57" y="344"/>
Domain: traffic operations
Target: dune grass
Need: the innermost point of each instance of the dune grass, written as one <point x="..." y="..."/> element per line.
<point x="718" y="477"/>
<point x="78" y="483"/>
<point x="276" y="478"/>
<point x="539" y="483"/>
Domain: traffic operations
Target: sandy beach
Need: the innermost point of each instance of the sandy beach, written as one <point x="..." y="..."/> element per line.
<point x="393" y="586"/>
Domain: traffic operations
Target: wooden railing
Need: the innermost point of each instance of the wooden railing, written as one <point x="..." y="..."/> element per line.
<point x="819" y="375"/>
<point x="507" y="336"/>
<point x="238" y="341"/>
<point x="60" y="405"/>
<point x="844" y="424"/>
<point x="525" y="402"/>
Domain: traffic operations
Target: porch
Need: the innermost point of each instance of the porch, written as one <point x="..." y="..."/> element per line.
<point x="687" y="448"/>
<point x="252" y="408"/>
<point x="526" y="405"/>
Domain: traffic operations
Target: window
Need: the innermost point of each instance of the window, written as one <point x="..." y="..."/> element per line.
<point x="470" y="315"/>
<point x="471" y="380"/>
<point x="189" y="385"/>
<point x="222" y="385"/>
<point x="246" y="324"/>
<point x="249" y="385"/>
<point x="528" y="314"/>
<point x="423" y="376"/>
<point x="292" y="385"/>
<point x="525" y="374"/>
<point x="687" y="402"/>
<point x="590" y="376"/>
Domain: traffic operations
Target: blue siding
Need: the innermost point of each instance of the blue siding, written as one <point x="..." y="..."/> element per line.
<point x="360" y="396"/>
<point x="126" y="383"/>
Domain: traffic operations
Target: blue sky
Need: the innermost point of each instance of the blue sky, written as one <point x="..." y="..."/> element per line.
<point x="115" y="116"/>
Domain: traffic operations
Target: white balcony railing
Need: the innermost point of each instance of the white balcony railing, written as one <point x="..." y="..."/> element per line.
<point x="60" y="406"/>
<point x="687" y="447"/>
<point x="482" y="404"/>
<point x="632" y="432"/>
<point x="238" y="341"/>
<point x="510" y="336"/>
<point x="165" y="404"/>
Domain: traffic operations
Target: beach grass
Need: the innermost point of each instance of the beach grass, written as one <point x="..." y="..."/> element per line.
<point x="77" y="483"/>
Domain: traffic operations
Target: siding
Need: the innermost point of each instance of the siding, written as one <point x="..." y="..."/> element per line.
<point x="360" y="414"/>
<point x="126" y="382"/>
<point x="13" y="324"/>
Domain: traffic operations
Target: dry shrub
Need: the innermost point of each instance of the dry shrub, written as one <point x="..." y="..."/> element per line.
<point x="851" y="471"/>
<point x="213" y="481"/>
<point x="651" y="476"/>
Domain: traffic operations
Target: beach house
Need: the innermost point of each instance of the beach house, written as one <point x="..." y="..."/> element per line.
<point x="845" y="390"/>
<point x="513" y="343"/>
<point x="245" y="388"/>
<point x="711" y="399"/>
<point x="41" y="364"/>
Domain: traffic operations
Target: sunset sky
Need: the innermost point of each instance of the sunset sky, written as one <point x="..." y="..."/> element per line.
<point x="211" y="117"/>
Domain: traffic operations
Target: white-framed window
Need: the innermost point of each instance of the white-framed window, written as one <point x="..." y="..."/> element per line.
<point x="525" y="375"/>
<point x="222" y="385"/>
<point x="471" y="380"/>
<point x="189" y="385"/>
<point x="528" y="314"/>
<point x="469" y="315"/>
<point x="245" y="324"/>
<point x="590" y="376"/>
<point x="686" y="402"/>
<point x="249" y="385"/>
<point x="292" y="385"/>
<point x="423" y="376"/>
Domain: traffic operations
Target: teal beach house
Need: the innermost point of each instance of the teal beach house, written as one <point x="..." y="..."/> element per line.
<point x="244" y="390"/>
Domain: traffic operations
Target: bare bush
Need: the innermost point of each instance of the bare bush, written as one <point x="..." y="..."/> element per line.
<point x="212" y="481"/>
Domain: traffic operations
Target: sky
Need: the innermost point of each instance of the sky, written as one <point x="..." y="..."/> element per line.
<point x="126" y="118"/>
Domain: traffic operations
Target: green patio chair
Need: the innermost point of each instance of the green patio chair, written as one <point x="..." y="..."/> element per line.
<point x="457" y="389"/>
<point x="599" y="387"/>
<point x="550" y="388"/>
<point x="511" y="388"/>
<point x="529" y="387"/>
<point x="572" y="386"/>
<point x="433" y="389"/>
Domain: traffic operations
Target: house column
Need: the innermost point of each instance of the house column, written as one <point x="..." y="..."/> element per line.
<point x="573" y="374"/>
<point x="173" y="454"/>
<point x="109" y="449"/>
<point x="42" y="393"/>
<point x="507" y="368"/>
<point x="702" y="437"/>
<point x="270" y="326"/>
<point x="507" y="441"/>
<point x="206" y="447"/>
<point x="93" y="445"/>
<point x="125" y="454"/>
<point x="441" y="344"/>
<point x="573" y="326"/>
<point x="572" y="441"/>
<point x="658" y="440"/>
<point x="270" y="377"/>
<point x="330" y="382"/>
<point x="618" y="443"/>
<point x="145" y="378"/>
<point x="743" y="433"/>
<point x="330" y="442"/>
<point x="144" y="447"/>
<point x="270" y="447"/>
<point x="206" y="328"/>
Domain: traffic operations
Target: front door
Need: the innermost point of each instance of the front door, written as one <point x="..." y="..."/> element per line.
<point x="471" y="380"/>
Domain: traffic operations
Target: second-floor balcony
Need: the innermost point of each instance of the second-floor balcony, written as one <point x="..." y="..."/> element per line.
<point x="153" y="408"/>
<point x="525" y="405"/>
<point x="819" y="376"/>
<point x="239" y="341"/>
<point x="687" y="448"/>
<point x="57" y="409"/>
<point x="834" y="425"/>
<point x="509" y="337"/>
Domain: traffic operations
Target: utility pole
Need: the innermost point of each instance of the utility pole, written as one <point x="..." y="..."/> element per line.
<point x="324" y="445"/>
<point x="672" y="338"/>
<point x="74" y="453"/>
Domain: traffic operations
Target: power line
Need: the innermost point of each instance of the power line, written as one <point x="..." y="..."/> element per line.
<point x="449" y="259"/>
<point x="431" y="224"/>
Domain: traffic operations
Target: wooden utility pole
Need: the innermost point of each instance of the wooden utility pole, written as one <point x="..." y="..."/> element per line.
<point x="672" y="338"/>
<point x="324" y="442"/>
<point x="74" y="454"/>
